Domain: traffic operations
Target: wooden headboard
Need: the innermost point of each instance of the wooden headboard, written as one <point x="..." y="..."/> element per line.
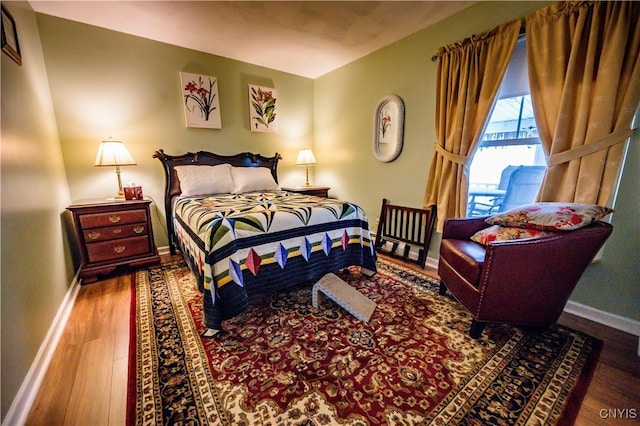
<point x="172" y="183"/>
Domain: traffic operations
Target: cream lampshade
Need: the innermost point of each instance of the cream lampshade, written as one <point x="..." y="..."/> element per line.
<point x="114" y="153"/>
<point x="306" y="158"/>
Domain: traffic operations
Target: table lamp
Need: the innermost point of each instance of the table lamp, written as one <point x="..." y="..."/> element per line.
<point x="306" y="158"/>
<point x="114" y="153"/>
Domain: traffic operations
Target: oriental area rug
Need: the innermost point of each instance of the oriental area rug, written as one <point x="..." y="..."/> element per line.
<point x="283" y="362"/>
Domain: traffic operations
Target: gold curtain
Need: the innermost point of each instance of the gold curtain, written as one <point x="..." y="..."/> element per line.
<point x="468" y="77"/>
<point x="584" y="72"/>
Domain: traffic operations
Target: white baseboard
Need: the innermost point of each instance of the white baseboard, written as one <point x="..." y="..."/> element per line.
<point x="164" y="250"/>
<point x="611" y="320"/>
<point x="21" y="406"/>
<point x="605" y="318"/>
<point x="432" y="262"/>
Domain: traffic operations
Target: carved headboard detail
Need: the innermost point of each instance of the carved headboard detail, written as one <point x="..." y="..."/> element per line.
<point x="172" y="183"/>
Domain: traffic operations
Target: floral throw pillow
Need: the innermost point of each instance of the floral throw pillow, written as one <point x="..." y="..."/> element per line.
<point x="550" y="216"/>
<point x="503" y="233"/>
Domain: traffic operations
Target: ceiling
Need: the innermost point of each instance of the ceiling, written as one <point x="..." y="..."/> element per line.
<point x="306" y="38"/>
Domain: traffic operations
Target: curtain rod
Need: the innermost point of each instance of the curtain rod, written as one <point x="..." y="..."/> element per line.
<point x="523" y="31"/>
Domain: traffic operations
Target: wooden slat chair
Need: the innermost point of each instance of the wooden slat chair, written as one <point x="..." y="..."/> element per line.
<point x="407" y="226"/>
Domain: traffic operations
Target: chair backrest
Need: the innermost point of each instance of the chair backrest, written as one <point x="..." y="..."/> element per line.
<point x="405" y="225"/>
<point x="505" y="176"/>
<point x="523" y="186"/>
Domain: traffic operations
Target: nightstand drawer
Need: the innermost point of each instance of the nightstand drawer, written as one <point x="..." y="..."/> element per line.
<point x="96" y="235"/>
<point x="116" y="249"/>
<point x="98" y="220"/>
<point x="112" y="234"/>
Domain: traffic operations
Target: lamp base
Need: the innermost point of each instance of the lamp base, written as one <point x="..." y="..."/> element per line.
<point x="120" y="194"/>
<point x="307" y="183"/>
<point x="116" y="198"/>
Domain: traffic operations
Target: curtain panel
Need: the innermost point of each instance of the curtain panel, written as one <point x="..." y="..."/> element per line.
<point x="468" y="76"/>
<point x="584" y="72"/>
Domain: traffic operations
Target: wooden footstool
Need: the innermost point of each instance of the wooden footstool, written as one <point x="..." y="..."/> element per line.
<point x="354" y="302"/>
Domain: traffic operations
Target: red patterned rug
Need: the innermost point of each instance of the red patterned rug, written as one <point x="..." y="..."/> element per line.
<point x="283" y="362"/>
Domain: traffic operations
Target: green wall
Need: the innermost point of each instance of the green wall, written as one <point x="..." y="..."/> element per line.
<point x="106" y="83"/>
<point x="345" y="100"/>
<point x="35" y="265"/>
<point x="614" y="284"/>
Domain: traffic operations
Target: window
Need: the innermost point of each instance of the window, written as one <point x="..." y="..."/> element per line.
<point x="507" y="167"/>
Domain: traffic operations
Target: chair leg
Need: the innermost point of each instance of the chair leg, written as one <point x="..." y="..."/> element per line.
<point x="443" y="289"/>
<point x="476" y="329"/>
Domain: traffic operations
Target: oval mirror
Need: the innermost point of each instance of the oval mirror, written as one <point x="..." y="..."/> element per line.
<point x="388" y="128"/>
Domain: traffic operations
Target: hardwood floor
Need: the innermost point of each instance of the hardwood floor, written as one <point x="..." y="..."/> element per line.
<point x="86" y="383"/>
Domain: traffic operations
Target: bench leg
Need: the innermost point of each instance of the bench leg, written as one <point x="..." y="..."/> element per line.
<point x="443" y="289"/>
<point x="367" y="272"/>
<point x="317" y="297"/>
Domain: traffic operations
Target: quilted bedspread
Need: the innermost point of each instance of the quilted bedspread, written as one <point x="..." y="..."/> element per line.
<point x="257" y="243"/>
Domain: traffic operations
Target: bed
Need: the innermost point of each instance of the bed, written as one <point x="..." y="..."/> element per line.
<point x="242" y="236"/>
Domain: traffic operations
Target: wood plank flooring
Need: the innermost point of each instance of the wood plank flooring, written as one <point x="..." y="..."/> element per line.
<point x="86" y="382"/>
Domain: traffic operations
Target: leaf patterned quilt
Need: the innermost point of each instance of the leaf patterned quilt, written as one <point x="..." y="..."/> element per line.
<point x="252" y="243"/>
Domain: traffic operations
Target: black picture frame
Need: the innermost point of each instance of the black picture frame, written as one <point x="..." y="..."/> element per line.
<point x="10" y="44"/>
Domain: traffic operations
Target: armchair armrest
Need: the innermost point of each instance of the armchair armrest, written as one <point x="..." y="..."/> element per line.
<point x="542" y="272"/>
<point x="463" y="228"/>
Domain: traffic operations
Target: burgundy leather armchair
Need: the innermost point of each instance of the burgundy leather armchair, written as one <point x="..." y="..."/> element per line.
<point x="521" y="282"/>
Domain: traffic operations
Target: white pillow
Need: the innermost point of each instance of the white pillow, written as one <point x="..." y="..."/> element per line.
<point x="249" y="179"/>
<point x="201" y="180"/>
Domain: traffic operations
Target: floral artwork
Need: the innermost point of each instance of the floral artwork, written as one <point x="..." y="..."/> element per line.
<point x="385" y="123"/>
<point x="201" y="101"/>
<point x="262" y="109"/>
<point x="388" y="128"/>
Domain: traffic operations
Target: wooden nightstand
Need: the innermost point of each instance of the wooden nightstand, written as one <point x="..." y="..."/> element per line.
<point x="111" y="234"/>
<point x="318" y="191"/>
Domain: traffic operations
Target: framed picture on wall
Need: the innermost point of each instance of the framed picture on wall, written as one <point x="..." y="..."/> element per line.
<point x="388" y="128"/>
<point x="10" y="44"/>
<point x="262" y="109"/>
<point x="201" y="101"/>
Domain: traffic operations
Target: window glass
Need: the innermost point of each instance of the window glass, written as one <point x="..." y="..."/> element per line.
<point x="509" y="163"/>
<point x="510" y="139"/>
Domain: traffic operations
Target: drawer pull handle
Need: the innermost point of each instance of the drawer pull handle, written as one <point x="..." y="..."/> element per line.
<point x="93" y="235"/>
<point x="117" y="230"/>
<point x="119" y="249"/>
<point x="138" y="229"/>
<point x="114" y="219"/>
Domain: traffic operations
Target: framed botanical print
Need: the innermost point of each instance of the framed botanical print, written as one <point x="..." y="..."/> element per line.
<point x="201" y="101"/>
<point x="262" y="109"/>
